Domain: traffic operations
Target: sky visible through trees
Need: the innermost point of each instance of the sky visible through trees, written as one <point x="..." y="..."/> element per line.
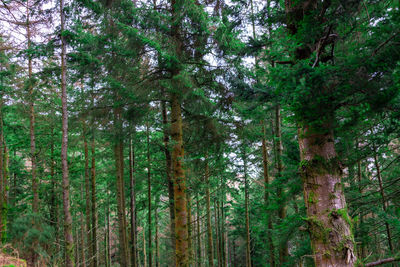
<point x="199" y="133"/>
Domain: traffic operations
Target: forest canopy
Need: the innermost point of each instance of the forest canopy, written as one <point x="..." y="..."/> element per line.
<point x="199" y="133"/>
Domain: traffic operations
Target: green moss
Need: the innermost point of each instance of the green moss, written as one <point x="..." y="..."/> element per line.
<point x="321" y="165"/>
<point x="318" y="229"/>
<point x="312" y="198"/>
<point x="345" y="215"/>
<point x="327" y="254"/>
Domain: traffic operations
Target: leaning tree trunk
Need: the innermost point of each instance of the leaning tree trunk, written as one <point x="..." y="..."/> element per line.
<point x="383" y="199"/>
<point x="330" y="226"/>
<point x="69" y="242"/>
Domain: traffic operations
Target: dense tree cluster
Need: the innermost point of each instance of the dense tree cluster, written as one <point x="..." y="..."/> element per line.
<point x="200" y="133"/>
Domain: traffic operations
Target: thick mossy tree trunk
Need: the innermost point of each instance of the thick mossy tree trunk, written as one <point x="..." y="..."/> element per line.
<point x="330" y="226"/>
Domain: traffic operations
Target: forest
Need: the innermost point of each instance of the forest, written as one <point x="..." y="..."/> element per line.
<point x="199" y="133"/>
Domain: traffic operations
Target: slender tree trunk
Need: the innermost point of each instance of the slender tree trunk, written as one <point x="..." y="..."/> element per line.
<point x="144" y="249"/>
<point x="283" y="249"/>
<point x="181" y="223"/>
<point x="332" y="240"/>
<point x="35" y="202"/>
<point x="108" y="252"/>
<point x="119" y="166"/>
<point x="4" y="181"/>
<point x="217" y="233"/>
<point x="222" y="225"/>
<point x="87" y="196"/>
<point x="168" y="166"/>
<point x="157" y="237"/>
<point x="83" y="234"/>
<point x="189" y="213"/>
<point x="93" y="200"/>
<point x="360" y="190"/>
<point x="246" y="204"/>
<point x="53" y="199"/>
<point x="383" y="199"/>
<point x="199" y="260"/>
<point x="134" y="261"/>
<point x="266" y="199"/>
<point x="208" y="220"/>
<point x="2" y="215"/>
<point x="105" y="237"/>
<point x="149" y="194"/>
<point x="69" y="242"/>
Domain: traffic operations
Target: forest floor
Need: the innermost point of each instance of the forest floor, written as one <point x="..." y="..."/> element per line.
<point x="6" y="260"/>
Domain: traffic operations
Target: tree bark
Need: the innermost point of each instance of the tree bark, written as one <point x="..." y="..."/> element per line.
<point x="246" y="204"/>
<point x="157" y="236"/>
<point x="198" y="215"/>
<point x="168" y="166"/>
<point x="283" y="249"/>
<point x="208" y="221"/>
<point x="2" y="187"/>
<point x="93" y="200"/>
<point x="149" y="194"/>
<point x="266" y="198"/>
<point x="119" y="167"/>
<point x="69" y="242"/>
<point x="144" y="249"/>
<point x="180" y="203"/>
<point x="83" y="233"/>
<point x="134" y="262"/>
<point x="189" y="214"/>
<point x="332" y="240"/>
<point x="35" y="202"/>
<point x="217" y="233"/>
<point x="87" y="196"/>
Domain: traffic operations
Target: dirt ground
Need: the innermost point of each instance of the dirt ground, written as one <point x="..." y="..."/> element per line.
<point x="11" y="261"/>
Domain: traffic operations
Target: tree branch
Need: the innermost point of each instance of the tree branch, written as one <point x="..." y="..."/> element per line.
<point x="383" y="261"/>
